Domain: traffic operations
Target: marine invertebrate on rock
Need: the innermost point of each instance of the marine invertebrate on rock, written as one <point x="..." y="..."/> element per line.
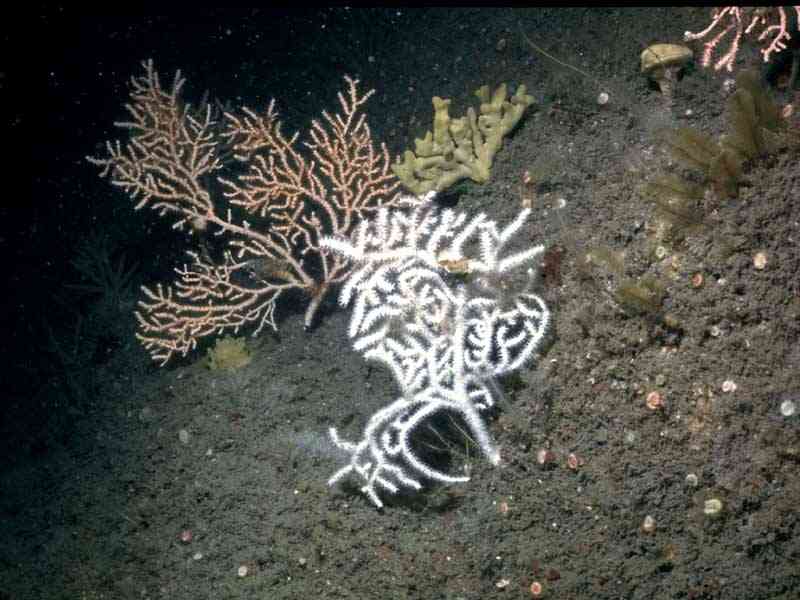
<point x="661" y="63"/>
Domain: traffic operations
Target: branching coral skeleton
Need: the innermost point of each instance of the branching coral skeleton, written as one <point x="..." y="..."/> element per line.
<point x="292" y="193"/>
<point x="446" y="323"/>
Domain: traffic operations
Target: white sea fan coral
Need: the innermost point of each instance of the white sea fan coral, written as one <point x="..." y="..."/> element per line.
<point x="445" y="322"/>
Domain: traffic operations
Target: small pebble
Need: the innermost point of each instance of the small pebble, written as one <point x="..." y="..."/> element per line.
<point x="545" y="457"/>
<point x="573" y="462"/>
<point x="712" y="507"/>
<point x="788" y="408"/>
<point x="649" y="524"/>
<point x="654" y="401"/>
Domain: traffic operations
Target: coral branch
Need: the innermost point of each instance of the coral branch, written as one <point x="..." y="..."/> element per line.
<point x="175" y="154"/>
<point x="740" y="22"/>
<point x="445" y="342"/>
